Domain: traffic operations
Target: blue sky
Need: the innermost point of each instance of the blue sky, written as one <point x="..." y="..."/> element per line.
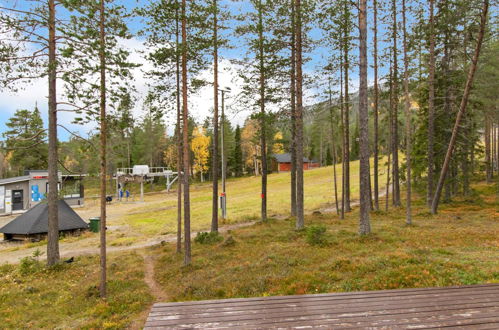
<point x="37" y="92"/>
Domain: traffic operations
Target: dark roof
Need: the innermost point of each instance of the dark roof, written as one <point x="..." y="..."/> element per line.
<point x="14" y="179"/>
<point x="286" y="158"/>
<point x="35" y="220"/>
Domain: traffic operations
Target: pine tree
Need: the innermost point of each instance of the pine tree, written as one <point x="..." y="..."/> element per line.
<point x="394" y="109"/>
<point x="38" y="30"/>
<point x="431" y="106"/>
<point x="376" y="105"/>
<point x="25" y="139"/>
<point x="300" y="220"/>
<point x="408" y="126"/>
<point x="260" y="73"/>
<point x="364" y="172"/>
<point x="462" y="107"/>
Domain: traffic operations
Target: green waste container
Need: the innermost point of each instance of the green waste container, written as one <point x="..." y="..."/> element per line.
<point x="95" y="224"/>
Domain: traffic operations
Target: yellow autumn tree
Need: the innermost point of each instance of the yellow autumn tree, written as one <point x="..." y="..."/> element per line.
<point x="170" y="156"/>
<point x="250" y="144"/>
<point x="200" y="148"/>
<point x="278" y="147"/>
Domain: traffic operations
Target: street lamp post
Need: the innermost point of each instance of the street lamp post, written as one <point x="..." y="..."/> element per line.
<point x="223" y="195"/>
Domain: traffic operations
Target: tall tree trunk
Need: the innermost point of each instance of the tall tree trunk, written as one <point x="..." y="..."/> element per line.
<point x="343" y="165"/>
<point x="214" y="166"/>
<point x="300" y="221"/>
<point x="293" y="111"/>
<point x="462" y="108"/>
<point x="103" y="146"/>
<point x="408" y="128"/>
<point x="364" y="173"/>
<point x="53" y="214"/>
<point x="376" y="106"/>
<point x="263" y="138"/>
<point x="431" y="108"/>
<point x="347" y="120"/>
<point x="179" y="134"/>
<point x="333" y="146"/>
<point x="395" y="138"/>
<point x="185" y="144"/>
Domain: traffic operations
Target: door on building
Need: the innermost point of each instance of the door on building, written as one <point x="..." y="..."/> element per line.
<point x="17" y="200"/>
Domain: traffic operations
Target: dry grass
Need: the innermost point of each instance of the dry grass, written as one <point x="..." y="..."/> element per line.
<point x="458" y="246"/>
<point x="66" y="296"/>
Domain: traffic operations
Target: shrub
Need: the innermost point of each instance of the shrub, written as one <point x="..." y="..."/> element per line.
<point x="31" y="264"/>
<point x="208" y="238"/>
<point x="316" y="235"/>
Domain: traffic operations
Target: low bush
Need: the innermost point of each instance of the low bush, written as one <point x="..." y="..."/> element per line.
<point x="31" y="264"/>
<point x="208" y="238"/>
<point x="316" y="235"/>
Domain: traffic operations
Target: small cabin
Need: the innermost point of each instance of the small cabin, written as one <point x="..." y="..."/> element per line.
<point x="282" y="163"/>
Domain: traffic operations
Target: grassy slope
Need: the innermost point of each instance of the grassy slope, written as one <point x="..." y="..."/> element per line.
<point x="458" y="246"/>
<point x="244" y="200"/>
<point x="67" y="296"/>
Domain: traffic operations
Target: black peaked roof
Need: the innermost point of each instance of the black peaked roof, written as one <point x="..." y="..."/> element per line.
<point x="35" y="220"/>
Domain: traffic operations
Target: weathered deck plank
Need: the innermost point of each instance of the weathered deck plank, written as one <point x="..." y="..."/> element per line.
<point x="471" y="307"/>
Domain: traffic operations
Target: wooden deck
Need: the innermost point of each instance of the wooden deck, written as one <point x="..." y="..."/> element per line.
<point x="470" y="307"/>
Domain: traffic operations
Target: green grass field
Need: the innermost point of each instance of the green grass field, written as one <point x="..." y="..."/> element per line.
<point x="244" y="201"/>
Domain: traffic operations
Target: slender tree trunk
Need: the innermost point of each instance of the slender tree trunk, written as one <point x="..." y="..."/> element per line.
<point x="214" y="166"/>
<point x="387" y="193"/>
<point x="408" y="128"/>
<point x="103" y="146"/>
<point x="376" y="107"/>
<point x="300" y="221"/>
<point x="488" y="158"/>
<point x="53" y="213"/>
<point x="347" y="120"/>
<point x="493" y="153"/>
<point x="185" y="144"/>
<point x="364" y="172"/>
<point x="496" y="148"/>
<point x="343" y="165"/>
<point x="431" y="108"/>
<point x="333" y="146"/>
<point x="263" y="120"/>
<point x="462" y="108"/>
<point x="179" y="135"/>
<point x="395" y="138"/>
<point x="293" y="111"/>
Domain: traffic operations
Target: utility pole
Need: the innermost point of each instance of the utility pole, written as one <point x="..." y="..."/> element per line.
<point x="223" y="195"/>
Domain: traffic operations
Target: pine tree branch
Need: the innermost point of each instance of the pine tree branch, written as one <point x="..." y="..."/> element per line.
<point x="17" y="138"/>
<point x="22" y="57"/>
<point x="78" y="136"/>
<point x="27" y="147"/>
<point x="27" y="13"/>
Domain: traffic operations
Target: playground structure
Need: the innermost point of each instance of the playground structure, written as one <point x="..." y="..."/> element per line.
<point x="141" y="174"/>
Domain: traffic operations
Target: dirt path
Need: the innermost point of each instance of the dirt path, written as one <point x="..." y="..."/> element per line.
<point x="70" y="250"/>
<point x="73" y="249"/>
<point x="156" y="290"/>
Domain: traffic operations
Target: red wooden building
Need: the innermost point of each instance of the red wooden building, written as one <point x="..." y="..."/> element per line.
<point x="282" y="163"/>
